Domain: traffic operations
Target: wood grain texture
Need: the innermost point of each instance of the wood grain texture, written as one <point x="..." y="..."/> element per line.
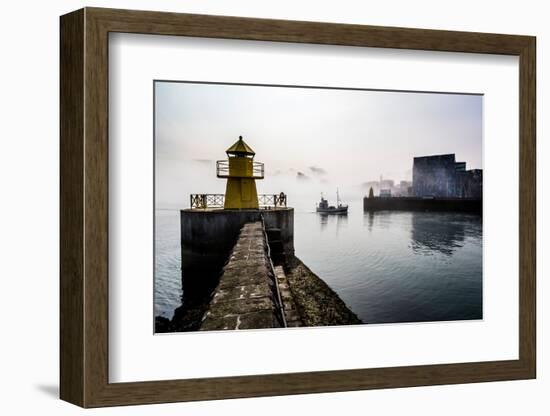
<point x="84" y="207"/>
<point x="71" y="208"/>
<point x="96" y="208"/>
<point x="527" y="208"/>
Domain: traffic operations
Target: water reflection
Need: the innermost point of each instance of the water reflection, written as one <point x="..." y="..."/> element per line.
<point x="368" y="220"/>
<point x="398" y="266"/>
<point x="430" y="233"/>
<point x="379" y="220"/>
<point x="440" y="232"/>
<point x="339" y="220"/>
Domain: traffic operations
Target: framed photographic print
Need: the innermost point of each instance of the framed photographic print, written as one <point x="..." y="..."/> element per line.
<point x="255" y="207"/>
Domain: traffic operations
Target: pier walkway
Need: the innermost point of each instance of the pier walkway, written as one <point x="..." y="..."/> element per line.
<point x="247" y="296"/>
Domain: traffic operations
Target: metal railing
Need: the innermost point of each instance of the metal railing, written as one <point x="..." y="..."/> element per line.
<point x="265" y="201"/>
<point x="223" y="171"/>
<point x="272" y="200"/>
<point x="202" y="201"/>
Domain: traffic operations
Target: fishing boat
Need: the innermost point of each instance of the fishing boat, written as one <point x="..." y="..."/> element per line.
<point x="324" y="208"/>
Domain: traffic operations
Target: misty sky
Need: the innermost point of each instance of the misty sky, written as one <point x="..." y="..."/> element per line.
<point x="334" y="138"/>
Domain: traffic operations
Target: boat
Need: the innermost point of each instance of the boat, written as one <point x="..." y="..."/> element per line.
<point x="324" y="208"/>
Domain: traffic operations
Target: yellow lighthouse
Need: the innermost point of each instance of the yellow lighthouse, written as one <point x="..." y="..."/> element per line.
<point x="241" y="172"/>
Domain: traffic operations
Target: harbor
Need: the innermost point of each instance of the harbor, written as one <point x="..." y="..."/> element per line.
<point x="279" y="207"/>
<point x="253" y="266"/>
<point x="239" y="268"/>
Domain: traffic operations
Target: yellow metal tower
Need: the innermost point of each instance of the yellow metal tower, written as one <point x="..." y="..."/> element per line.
<point x="241" y="172"/>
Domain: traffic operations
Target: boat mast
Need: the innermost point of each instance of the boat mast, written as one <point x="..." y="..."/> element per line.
<point x="337" y="198"/>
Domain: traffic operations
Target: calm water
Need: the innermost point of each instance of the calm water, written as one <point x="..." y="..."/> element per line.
<point x="167" y="263"/>
<point x="386" y="266"/>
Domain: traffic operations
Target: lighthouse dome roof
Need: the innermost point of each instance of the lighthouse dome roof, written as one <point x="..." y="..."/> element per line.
<point x="240" y="148"/>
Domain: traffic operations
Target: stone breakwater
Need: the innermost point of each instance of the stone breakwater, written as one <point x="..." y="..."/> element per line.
<point x="251" y="294"/>
<point x="316" y="303"/>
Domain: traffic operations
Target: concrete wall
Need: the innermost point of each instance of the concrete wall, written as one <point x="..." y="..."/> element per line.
<point x="207" y="236"/>
<point x="210" y="230"/>
<point x="283" y="220"/>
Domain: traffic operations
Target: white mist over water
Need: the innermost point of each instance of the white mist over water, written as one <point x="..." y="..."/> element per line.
<point x="179" y="179"/>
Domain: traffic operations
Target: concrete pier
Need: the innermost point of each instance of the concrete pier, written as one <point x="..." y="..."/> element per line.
<point x="208" y="229"/>
<point x="246" y="296"/>
<point x="208" y="235"/>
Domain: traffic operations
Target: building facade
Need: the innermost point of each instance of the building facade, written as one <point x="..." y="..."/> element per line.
<point x="441" y="176"/>
<point x="470" y="184"/>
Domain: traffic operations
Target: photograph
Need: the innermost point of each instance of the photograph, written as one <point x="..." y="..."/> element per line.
<point x="289" y="206"/>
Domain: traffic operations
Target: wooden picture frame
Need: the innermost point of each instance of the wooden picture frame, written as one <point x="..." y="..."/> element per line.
<point x="84" y="207"/>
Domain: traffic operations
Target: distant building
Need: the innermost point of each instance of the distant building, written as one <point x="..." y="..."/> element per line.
<point x="434" y="175"/>
<point x="405" y="188"/>
<point x="386" y="184"/>
<point x="442" y="177"/>
<point x="388" y="188"/>
<point x="470" y="184"/>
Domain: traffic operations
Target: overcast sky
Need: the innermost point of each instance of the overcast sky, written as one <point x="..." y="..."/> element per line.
<point x="332" y="137"/>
